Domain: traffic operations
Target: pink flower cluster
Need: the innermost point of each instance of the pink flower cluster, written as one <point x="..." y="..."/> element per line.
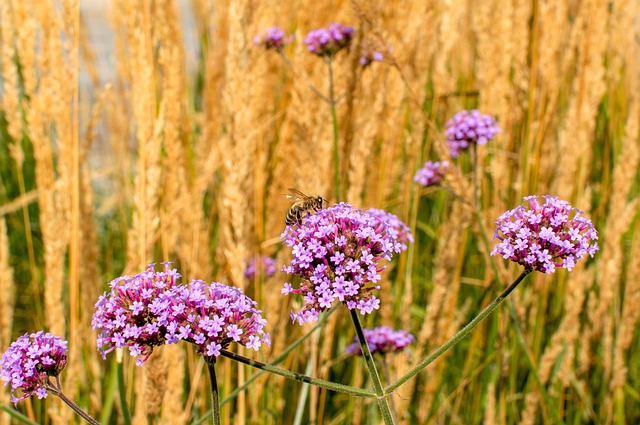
<point x="383" y="340"/>
<point x="30" y="361"/>
<point x="273" y="38"/>
<point x="329" y="41"/>
<point x="467" y="128"/>
<point x="543" y="236"/>
<point x="399" y="231"/>
<point x="431" y="173"/>
<point x="336" y="255"/>
<point x="260" y="265"/>
<point x="150" y="309"/>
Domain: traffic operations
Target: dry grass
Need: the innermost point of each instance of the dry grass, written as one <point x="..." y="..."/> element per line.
<point x="183" y="147"/>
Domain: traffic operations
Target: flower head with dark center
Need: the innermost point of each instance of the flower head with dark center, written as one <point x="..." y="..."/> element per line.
<point x="30" y="361"/>
<point x="135" y="312"/>
<point x="260" y="265"/>
<point x="431" y="173"/>
<point x="273" y="38"/>
<point x="467" y="128"/>
<point x="336" y="255"/>
<point x="383" y="340"/>
<point x="543" y="236"/>
<point x="397" y="229"/>
<point x="329" y="41"/>
<point x="212" y="316"/>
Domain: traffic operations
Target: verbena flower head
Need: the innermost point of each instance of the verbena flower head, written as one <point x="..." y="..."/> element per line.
<point x="329" y="41"/>
<point x="135" y="312"/>
<point x="336" y="255"/>
<point x="273" y="38"/>
<point x="543" y="236"/>
<point x="397" y="229"/>
<point x="30" y="361"/>
<point x="431" y="173"/>
<point x="212" y="316"/>
<point x="383" y="340"/>
<point x="260" y="265"/>
<point x="467" y="128"/>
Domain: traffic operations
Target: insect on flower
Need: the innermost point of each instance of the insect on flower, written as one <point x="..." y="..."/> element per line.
<point x="303" y="205"/>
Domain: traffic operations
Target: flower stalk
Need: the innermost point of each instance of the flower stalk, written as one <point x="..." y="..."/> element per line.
<point x="57" y="391"/>
<point x="334" y="119"/>
<point x="294" y="376"/>
<point x="461" y="334"/>
<point x="215" y="396"/>
<point x="385" y="410"/>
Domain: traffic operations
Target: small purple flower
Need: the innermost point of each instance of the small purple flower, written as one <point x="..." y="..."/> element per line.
<point x="383" y="340"/>
<point x="273" y="38"/>
<point x="260" y="265"/>
<point x="336" y="255"/>
<point x="397" y="229"/>
<point x="30" y="361"/>
<point x="431" y="173"/>
<point x="545" y="236"/>
<point x="213" y="315"/>
<point x="135" y="312"/>
<point x="329" y="41"/>
<point x="468" y="127"/>
<point x="369" y="54"/>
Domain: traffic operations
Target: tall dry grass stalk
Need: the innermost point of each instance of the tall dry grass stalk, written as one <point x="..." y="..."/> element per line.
<point x="7" y="299"/>
<point x="576" y="133"/>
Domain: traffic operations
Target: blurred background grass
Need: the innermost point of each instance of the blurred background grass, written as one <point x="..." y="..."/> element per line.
<point x="135" y="132"/>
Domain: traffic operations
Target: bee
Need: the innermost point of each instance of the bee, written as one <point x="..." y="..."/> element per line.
<point x="303" y="205"/>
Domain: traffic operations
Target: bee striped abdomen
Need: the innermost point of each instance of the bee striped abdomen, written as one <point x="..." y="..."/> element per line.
<point x="303" y="206"/>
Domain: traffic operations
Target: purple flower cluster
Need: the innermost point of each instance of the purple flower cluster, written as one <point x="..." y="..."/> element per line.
<point x="273" y="38"/>
<point x="329" y="41"/>
<point x="399" y="231"/>
<point x="545" y="236"/>
<point x="260" y="265"/>
<point x="383" y="340"/>
<point x="150" y="309"/>
<point x="370" y="56"/>
<point x="468" y="127"/>
<point x="336" y="252"/>
<point x="30" y="361"/>
<point x="431" y="173"/>
<point x="214" y="315"/>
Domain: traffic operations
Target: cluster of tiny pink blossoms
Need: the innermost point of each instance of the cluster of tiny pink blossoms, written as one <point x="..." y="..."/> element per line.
<point x="260" y="265"/>
<point x="336" y="255"/>
<point x="382" y="340"/>
<point x="30" y="361"/>
<point x="467" y="128"/>
<point x="369" y="56"/>
<point x="150" y="309"/>
<point x="431" y="173"/>
<point x="273" y="38"/>
<point x="399" y="231"/>
<point x="327" y="42"/>
<point x="212" y="316"/>
<point x="543" y="236"/>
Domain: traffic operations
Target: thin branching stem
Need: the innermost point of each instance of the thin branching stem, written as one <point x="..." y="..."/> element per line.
<point x="462" y="333"/>
<point x="215" y="397"/>
<point x="383" y="403"/>
<point x="56" y="389"/>
<point x="294" y="376"/>
<point x="334" y="119"/>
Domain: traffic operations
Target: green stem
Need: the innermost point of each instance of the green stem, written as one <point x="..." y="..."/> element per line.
<point x="57" y="390"/>
<point x="462" y="333"/>
<point x="16" y="415"/>
<point x="373" y="370"/>
<point x="215" y="397"/>
<point x="336" y="148"/>
<point x="294" y="376"/>
<point x="126" y="415"/>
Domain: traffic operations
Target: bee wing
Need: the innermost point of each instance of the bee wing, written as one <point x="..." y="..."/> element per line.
<point x="296" y="194"/>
